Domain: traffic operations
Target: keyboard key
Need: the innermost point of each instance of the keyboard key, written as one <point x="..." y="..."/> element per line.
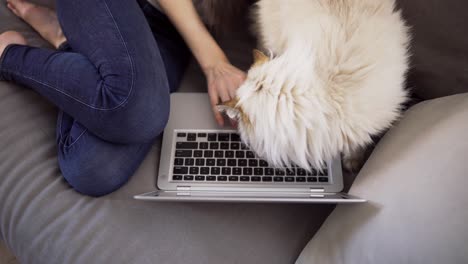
<point x="250" y="155"/>
<point x="323" y="173"/>
<point x="199" y="178"/>
<point x="311" y="179"/>
<point x="232" y="162"/>
<point x="279" y="172"/>
<point x="198" y="153"/>
<point x="312" y="173"/>
<point x="183" y="153"/>
<point x="269" y="171"/>
<point x="177" y="177"/>
<point x="181" y="134"/>
<point x="243" y="146"/>
<point x="223" y="137"/>
<point x="253" y="163"/>
<point x="263" y="163"/>
<point x="211" y="178"/>
<point x="180" y="170"/>
<point x="323" y="179"/>
<point x="222" y="178"/>
<point x="226" y="171"/>
<point x="258" y="171"/>
<point x="244" y="178"/>
<point x="219" y="154"/>
<point x="200" y="162"/>
<point x="289" y="179"/>
<point x="235" y="145"/>
<point x="215" y="171"/>
<point x="179" y="162"/>
<point x="187" y="145"/>
<point x="203" y="145"/>
<point x="267" y="179"/>
<point x="235" y="137"/>
<point x="240" y="154"/>
<point x="204" y="170"/>
<point x="189" y="162"/>
<point x="214" y="145"/>
<point x="236" y="171"/>
<point x="291" y="172"/>
<point x="212" y="137"/>
<point x="233" y="178"/>
<point x="301" y="172"/>
<point x="201" y="134"/>
<point x="300" y="179"/>
<point x="224" y="145"/>
<point x="278" y="179"/>
<point x="210" y="162"/>
<point x="208" y="153"/>
<point x="220" y="162"/>
<point x="194" y="170"/>
<point x="188" y="178"/>
<point x="229" y="154"/>
<point x="242" y="163"/>
<point x="191" y="137"/>
<point x="247" y="171"/>
<point x="256" y="178"/>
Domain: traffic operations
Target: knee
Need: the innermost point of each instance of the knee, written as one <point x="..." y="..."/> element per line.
<point x="143" y="123"/>
<point x="93" y="178"/>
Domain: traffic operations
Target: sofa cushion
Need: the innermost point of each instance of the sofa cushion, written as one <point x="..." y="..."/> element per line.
<point x="415" y="182"/>
<point x="439" y="46"/>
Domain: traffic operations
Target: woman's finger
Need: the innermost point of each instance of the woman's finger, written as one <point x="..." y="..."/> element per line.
<point x="214" y="99"/>
<point x="221" y="88"/>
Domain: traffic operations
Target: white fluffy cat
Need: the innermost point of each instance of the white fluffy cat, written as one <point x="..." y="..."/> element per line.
<point x="334" y="77"/>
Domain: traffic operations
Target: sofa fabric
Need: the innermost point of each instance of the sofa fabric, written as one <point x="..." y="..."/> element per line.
<point x="439" y="46"/>
<point x="415" y="182"/>
<point x="43" y="220"/>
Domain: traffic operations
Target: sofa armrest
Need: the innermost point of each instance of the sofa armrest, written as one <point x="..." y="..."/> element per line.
<point x="415" y="182"/>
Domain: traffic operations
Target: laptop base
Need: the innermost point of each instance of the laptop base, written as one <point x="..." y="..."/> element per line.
<point x="248" y="197"/>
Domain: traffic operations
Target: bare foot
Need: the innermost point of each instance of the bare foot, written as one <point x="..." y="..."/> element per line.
<point x="42" y="19"/>
<point x="10" y="37"/>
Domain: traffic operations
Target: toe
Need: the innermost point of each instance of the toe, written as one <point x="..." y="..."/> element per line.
<point x="12" y="8"/>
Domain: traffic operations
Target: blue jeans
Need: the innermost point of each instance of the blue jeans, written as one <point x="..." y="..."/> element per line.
<point x="111" y="81"/>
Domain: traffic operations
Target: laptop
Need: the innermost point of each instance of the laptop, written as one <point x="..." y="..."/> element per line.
<point x="201" y="162"/>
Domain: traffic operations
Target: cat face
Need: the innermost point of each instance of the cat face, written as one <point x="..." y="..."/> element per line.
<point x="266" y="110"/>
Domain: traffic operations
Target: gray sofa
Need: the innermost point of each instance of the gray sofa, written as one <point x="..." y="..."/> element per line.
<point x="414" y="180"/>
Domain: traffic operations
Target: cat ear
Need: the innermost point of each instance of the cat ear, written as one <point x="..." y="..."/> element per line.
<point x="259" y="57"/>
<point x="230" y="108"/>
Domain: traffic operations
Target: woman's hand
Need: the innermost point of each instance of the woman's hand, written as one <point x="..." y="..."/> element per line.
<point x="223" y="80"/>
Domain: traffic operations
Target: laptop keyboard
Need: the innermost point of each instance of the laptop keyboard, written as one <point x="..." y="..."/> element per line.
<point x="222" y="157"/>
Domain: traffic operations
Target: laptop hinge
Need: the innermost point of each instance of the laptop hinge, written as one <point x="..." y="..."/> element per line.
<point x="316" y="190"/>
<point x="183" y="188"/>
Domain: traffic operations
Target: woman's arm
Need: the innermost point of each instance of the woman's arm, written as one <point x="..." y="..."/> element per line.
<point x="222" y="77"/>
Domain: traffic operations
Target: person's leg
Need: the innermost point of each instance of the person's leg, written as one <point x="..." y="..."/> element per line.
<point x="95" y="167"/>
<point x="114" y="83"/>
<point x="91" y="165"/>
